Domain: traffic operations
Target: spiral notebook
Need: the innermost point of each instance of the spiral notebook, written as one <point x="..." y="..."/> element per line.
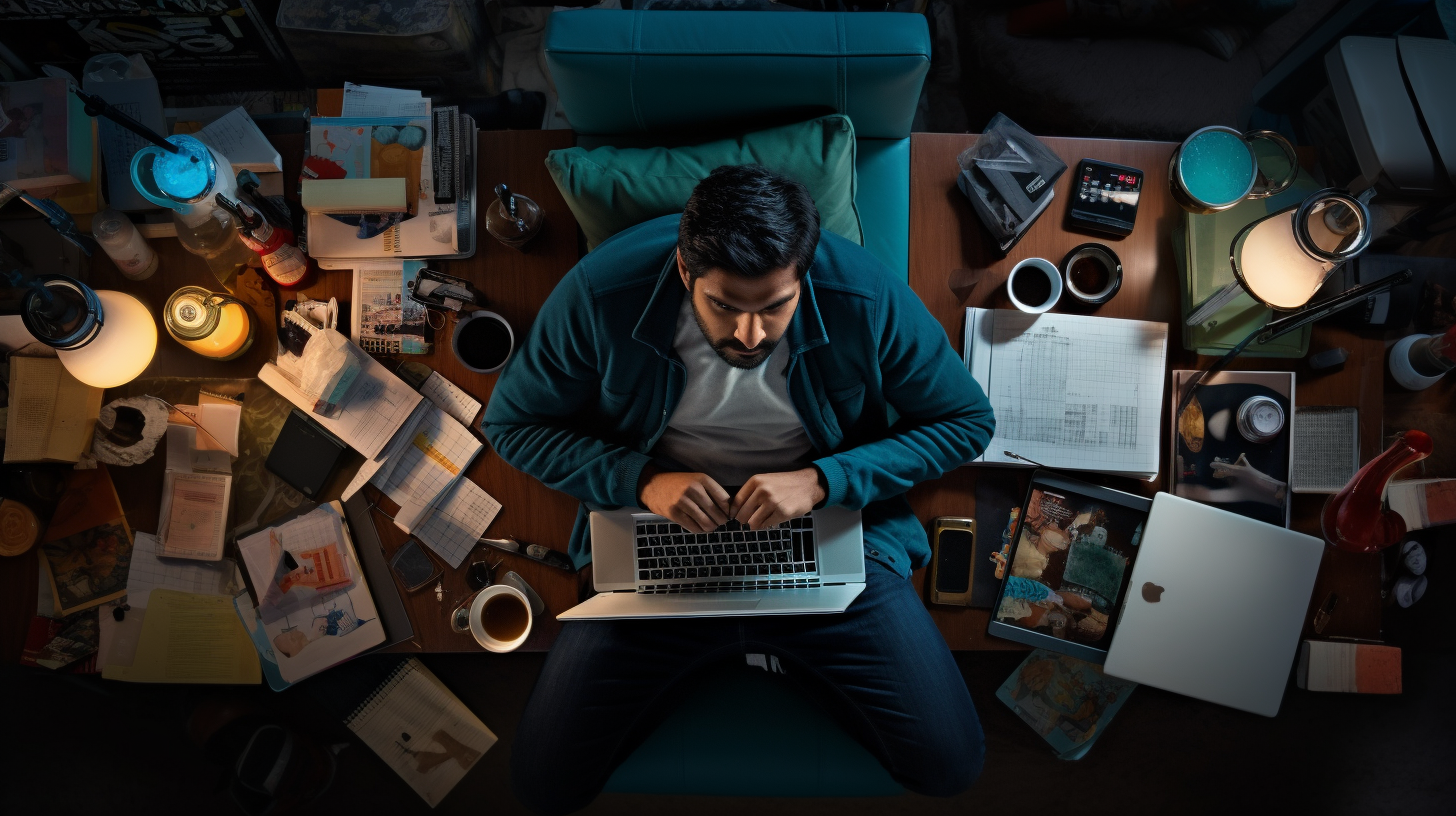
<point x="421" y="730"/>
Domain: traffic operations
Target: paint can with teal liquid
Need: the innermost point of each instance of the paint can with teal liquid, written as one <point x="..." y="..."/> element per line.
<point x="1217" y="167"/>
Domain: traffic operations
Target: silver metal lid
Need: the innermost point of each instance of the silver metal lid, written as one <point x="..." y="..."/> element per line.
<point x="1260" y="419"/>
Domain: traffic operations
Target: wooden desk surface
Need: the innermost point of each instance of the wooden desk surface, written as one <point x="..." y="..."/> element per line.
<point x="949" y="248"/>
<point x="945" y="237"/>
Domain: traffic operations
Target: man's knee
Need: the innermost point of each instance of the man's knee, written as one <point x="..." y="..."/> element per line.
<point x="947" y="768"/>
<point x="949" y="753"/>
<point x="540" y="784"/>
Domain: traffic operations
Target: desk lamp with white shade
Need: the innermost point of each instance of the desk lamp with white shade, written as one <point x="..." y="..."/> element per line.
<point x="1283" y="259"/>
<point x="103" y="338"/>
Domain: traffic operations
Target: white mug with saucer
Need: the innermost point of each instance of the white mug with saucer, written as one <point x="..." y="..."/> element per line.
<point x="490" y="637"/>
<point x="1036" y="275"/>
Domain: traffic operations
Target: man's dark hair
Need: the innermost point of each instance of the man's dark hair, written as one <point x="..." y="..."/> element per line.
<point x="748" y="221"/>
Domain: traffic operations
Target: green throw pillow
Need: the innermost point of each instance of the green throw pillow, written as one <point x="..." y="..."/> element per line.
<point x="610" y="189"/>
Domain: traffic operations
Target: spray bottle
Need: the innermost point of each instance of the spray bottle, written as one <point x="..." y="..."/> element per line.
<point x="284" y="262"/>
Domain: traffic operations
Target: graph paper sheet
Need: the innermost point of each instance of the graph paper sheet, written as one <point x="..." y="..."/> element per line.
<point x="458" y="522"/>
<point x="436" y="455"/>
<point x="148" y="572"/>
<point x="451" y="398"/>
<point x="1071" y="391"/>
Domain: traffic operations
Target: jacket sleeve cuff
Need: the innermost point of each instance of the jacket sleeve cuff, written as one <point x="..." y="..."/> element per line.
<point x="835" y="483"/>
<point x="625" y="478"/>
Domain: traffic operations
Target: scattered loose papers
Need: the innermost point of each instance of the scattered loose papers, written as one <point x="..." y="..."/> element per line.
<point x="372" y="100"/>
<point x="148" y="572"/>
<point x="438" y="451"/>
<point x="451" y="398"/>
<point x="314" y="631"/>
<point x="373" y="410"/>
<point x="458" y="522"/>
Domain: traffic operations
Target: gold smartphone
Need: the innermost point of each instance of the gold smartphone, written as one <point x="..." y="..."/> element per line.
<point x="952" y="547"/>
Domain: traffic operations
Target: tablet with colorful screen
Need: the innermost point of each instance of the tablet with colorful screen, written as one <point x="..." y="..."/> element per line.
<point x="1070" y="562"/>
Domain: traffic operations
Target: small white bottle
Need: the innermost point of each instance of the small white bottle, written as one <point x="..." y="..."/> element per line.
<point x="119" y="237"/>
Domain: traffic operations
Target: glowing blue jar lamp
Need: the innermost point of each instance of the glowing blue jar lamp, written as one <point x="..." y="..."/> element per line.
<point x="182" y="179"/>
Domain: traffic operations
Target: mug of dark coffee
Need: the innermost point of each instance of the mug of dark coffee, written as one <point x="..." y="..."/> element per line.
<point x="483" y="341"/>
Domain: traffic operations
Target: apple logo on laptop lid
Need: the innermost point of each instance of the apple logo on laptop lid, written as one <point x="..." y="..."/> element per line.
<point x="1152" y="593"/>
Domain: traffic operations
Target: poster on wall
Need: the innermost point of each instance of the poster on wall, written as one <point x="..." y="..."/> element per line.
<point x="193" y="46"/>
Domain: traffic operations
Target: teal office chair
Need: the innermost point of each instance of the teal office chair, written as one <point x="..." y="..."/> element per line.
<point x="629" y="78"/>
<point x="667" y="78"/>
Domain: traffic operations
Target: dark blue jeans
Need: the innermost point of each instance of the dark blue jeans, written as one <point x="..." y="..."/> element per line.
<point x="881" y="668"/>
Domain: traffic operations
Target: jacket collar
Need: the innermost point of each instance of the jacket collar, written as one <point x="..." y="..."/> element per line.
<point x="657" y="328"/>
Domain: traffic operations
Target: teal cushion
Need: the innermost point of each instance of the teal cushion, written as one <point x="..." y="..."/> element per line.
<point x="610" y="189"/>
<point x="744" y="732"/>
<point x="882" y="173"/>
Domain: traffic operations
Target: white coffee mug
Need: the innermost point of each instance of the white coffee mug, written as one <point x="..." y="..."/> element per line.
<point x="477" y="618"/>
<point x="1039" y="267"/>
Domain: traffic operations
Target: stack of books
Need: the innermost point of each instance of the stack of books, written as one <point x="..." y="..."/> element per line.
<point x="355" y="209"/>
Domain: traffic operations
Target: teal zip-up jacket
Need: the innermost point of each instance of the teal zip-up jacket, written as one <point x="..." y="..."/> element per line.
<point x="885" y="400"/>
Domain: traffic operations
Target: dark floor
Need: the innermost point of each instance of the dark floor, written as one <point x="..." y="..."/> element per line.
<point x="85" y="746"/>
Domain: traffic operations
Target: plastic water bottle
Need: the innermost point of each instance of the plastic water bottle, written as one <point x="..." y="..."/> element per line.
<point x="119" y="237"/>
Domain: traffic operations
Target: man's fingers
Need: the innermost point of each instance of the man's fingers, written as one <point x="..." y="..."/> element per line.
<point x="693" y="517"/>
<point x="765" y="516"/>
<point x="747" y="502"/>
<point x="700" y="495"/>
<point x="718" y="496"/>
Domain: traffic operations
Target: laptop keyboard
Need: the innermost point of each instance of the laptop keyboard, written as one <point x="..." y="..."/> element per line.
<point x="732" y="557"/>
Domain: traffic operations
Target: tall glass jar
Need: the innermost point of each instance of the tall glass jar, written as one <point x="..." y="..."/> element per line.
<point x="216" y="326"/>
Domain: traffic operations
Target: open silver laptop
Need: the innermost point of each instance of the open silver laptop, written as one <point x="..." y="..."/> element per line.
<point x="645" y="566"/>
<point x="1215" y="606"/>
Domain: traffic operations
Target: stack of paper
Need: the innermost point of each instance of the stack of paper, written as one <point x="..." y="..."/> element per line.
<point x="1070" y="391"/>
<point x="387" y="133"/>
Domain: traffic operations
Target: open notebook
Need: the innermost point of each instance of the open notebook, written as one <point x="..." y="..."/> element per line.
<point x="1070" y="391"/>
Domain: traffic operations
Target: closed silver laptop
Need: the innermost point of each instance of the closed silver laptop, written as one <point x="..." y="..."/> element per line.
<point x="646" y="566"/>
<point x="1215" y="606"/>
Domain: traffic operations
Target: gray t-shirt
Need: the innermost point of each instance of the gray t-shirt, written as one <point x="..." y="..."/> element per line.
<point x="732" y="423"/>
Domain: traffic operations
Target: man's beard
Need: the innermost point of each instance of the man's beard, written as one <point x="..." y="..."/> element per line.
<point x="741" y="356"/>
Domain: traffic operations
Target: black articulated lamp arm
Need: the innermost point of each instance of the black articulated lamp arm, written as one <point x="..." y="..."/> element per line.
<point x="1288" y="323"/>
<point x="96" y="106"/>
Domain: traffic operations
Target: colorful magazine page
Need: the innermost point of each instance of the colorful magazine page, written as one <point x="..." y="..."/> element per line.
<point x="1068" y="701"/>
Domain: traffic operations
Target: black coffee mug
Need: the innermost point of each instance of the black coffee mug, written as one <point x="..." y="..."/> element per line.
<point x="483" y="342"/>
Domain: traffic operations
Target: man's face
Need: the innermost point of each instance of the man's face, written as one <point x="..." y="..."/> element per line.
<point x="742" y="318"/>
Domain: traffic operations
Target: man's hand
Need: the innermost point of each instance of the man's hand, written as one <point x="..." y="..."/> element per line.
<point x="773" y="498"/>
<point x="693" y="500"/>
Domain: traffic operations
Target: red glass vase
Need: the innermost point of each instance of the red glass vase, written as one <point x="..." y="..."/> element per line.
<point x="1355" y="519"/>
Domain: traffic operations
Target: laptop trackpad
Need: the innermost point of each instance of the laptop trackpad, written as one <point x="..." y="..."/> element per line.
<point x="689" y="605"/>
